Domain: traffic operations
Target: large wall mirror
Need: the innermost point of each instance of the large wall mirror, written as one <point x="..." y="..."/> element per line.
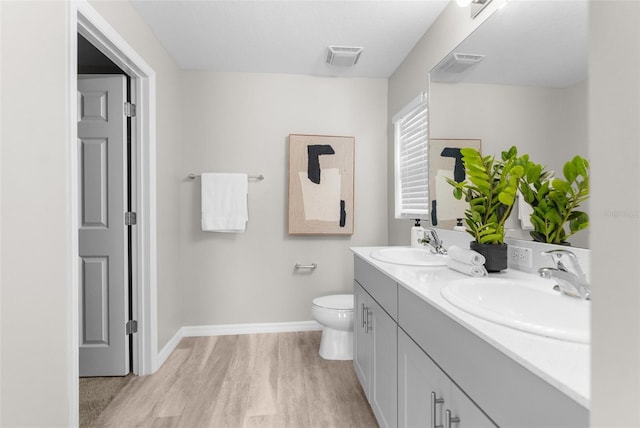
<point x="519" y="79"/>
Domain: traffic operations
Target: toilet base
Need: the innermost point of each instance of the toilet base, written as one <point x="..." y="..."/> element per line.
<point x="336" y="344"/>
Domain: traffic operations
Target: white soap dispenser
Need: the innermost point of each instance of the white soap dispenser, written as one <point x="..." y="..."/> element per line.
<point x="417" y="234"/>
<point x="459" y="225"/>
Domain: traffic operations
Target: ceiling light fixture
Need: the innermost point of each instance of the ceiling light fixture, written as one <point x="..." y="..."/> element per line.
<point x="343" y="56"/>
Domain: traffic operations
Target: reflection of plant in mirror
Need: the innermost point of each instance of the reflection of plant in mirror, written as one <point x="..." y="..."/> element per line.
<point x="490" y="189"/>
<point x="555" y="201"/>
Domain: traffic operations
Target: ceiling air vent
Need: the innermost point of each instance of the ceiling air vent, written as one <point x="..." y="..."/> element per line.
<point x="343" y="56"/>
<point x="459" y="63"/>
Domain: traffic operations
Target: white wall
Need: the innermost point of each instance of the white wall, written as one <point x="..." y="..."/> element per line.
<point x="614" y="135"/>
<point x="571" y="113"/>
<point x="35" y="330"/>
<point x="238" y="122"/>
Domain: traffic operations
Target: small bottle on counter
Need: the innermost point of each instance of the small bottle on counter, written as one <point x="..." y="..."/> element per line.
<point x="417" y="234"/>
<point x="459" y="225"/>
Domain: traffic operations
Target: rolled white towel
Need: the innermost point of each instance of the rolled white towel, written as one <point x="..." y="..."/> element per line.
<point x="524" y="212"/>
<point x="467" y="269"/>
<point x="469" y="257"/>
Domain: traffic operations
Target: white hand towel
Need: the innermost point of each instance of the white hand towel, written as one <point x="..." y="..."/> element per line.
<point x="469" y="257"/>
<point x="224" y="202"/>
<point x="467" y="269"/>
<point x="524" y="213"/>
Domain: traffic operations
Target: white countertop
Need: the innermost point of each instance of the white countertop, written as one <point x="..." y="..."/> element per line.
<point x="563" y="364"/>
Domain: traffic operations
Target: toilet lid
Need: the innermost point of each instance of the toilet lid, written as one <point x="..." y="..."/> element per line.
<point x="335" y="301"/>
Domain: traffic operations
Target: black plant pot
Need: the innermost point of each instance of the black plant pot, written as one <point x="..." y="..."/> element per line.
<point x="495" y="255"/>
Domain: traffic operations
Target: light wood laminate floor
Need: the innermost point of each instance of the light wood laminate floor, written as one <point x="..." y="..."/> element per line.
<point x="260" y="380"/>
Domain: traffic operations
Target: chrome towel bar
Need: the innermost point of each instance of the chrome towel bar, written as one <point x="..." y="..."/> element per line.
<point x="251" y="177"/>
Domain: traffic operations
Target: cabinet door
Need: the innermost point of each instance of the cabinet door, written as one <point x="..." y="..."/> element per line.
<point x="383" y="332"/>
<point x="469" y="415"/>
<point x="418" y="378"/>
<point x="361" y="347"/>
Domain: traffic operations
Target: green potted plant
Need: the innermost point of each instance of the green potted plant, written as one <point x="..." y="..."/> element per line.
<point x="555" y="201"/>
<point x="490" y="189"/>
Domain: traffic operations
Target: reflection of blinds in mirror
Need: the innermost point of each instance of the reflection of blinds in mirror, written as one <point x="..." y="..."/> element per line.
<point x="411" y="160"/>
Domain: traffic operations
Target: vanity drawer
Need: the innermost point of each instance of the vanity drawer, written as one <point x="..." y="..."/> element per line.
<point x="505" y="390"/>
<point x="382" y="288"/>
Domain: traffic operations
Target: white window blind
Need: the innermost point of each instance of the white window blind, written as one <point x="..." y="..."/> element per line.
<point x="411" y="160"/>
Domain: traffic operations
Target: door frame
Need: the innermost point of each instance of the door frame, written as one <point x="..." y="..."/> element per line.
<point x="84" y="19"/>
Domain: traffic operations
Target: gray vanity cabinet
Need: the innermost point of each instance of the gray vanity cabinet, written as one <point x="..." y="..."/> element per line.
<point x="375" y="357"/>
<point x="406" y="348"/>
<point x="375" y="340"/>
<point x="361" y="346"/>
<point x="506" y="391"/>
<point x="418" y="378"/>
<point x="426" y="394"/>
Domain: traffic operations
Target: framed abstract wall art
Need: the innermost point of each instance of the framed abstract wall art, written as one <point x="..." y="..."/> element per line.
<point x="445" y="161"/>
<point x="321" y="185"/>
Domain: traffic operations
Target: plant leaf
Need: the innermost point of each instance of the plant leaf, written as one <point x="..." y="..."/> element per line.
<point x="506" y="198"/>
<point x="533" y="173"/>
<point x="581" y="165"/>
<point x="457" y="193"/>
<point x="494" y="238"/>
<point x="517" y="171"/>
<point x="579" y="222"/>
<point x="483" y="186"/>
<point x="570" y="171"/>
<point x="561" y="185"/>
<point x="537" y="236"/>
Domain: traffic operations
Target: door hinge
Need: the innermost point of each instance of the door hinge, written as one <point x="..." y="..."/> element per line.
<point x="131" y="327"/>
<point x="129" y="218"/>
<point x="129" y="109"/>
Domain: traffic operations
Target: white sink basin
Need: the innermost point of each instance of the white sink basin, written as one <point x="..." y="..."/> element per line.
<point x="409" y="256"/>
<point x="519" y="305"/>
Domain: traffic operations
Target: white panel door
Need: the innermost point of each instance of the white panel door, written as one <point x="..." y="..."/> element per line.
<point x="103" y="305"/>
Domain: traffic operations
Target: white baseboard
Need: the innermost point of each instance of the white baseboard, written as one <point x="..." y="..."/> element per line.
<point x="168" y="349"/>
<point x="228" y="329"/>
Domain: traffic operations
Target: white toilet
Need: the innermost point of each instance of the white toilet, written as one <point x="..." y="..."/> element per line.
<point x="335" y="314"/>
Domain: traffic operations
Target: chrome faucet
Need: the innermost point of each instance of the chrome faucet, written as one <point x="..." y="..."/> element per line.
<point x="570" y="278"/>
<point x="432" y="239"/>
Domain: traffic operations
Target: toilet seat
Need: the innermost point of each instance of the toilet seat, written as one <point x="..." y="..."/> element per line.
<point x="336" y="302"/>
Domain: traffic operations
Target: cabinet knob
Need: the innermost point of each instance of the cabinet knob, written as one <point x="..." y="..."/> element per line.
<point x="448" y="420"/>
<point x="434" y="402"/>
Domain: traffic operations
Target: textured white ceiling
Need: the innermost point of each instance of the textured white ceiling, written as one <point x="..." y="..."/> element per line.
<point x="289" y="36"/>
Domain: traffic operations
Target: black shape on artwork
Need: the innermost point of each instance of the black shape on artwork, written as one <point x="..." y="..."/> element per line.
<point x="343" y="214"/>
<point x="434" y="213"/>
<point x="458" y="169"/>
<point x="313" y="164"/>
